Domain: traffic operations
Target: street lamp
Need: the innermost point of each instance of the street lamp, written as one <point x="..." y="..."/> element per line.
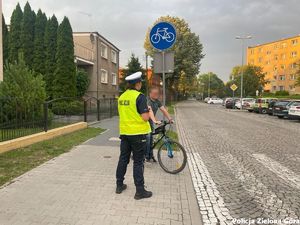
<point x="243" y="39"/>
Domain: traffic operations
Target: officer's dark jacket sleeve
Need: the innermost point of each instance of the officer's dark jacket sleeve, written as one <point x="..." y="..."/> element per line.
<point x="141" y="104"/>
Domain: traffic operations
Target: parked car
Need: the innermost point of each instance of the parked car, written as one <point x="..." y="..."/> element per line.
<point x="230" y="103"/>
<point x="281" y="108"/>
<point x="215" y="101"/>
<point x="294" y="110"/>
<point x="226" y="100"/>
<point x="244" y="101"/>
<point x="270" y="108"/>
<point x="262" y="104"/>
<point x="249" y="105"/>
<point x="206" y="99"/>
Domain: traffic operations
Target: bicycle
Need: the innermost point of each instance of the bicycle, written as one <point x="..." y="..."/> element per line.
<point x="162" y="34"/>
<point x="171" y="155"/>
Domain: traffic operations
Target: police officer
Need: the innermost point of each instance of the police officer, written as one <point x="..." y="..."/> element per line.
<point x="134" y="126"/>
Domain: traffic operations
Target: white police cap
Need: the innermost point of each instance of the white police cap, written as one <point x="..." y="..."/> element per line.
<point x="134" y="78"/>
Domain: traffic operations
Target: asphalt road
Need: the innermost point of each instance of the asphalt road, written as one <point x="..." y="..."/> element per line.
<point x="244" y="166"/>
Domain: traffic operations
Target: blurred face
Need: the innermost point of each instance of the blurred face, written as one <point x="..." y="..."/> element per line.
<point x="154" y="94"/>
<point x="138" y="86"/>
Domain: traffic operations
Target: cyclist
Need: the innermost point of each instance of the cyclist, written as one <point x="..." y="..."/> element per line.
<point x="154" y="104"/>
<point x="134" y="125"/>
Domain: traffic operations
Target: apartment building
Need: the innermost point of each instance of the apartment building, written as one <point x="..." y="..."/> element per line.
<point x="279" y="60"/>
<point x="100" y="58"/>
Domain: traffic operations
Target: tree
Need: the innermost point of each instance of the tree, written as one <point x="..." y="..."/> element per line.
<point x="211" y="85"/>
<point x="188" y="51"/>
<point x="64" y="84"/>
<point x="253" y="79"/>
<point x="15" y="33"/>
<point x="22" y="87"/>
<point x="82" y="82"/>
<point x="5" y="40"/>
<point x="50" y="53"/>
<point x="39" y="45"/>
<point x="27" y="35"/>
<point x="133" y="66"/>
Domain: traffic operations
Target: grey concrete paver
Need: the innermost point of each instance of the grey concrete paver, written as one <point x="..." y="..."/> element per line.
<point x="78" y="188"/>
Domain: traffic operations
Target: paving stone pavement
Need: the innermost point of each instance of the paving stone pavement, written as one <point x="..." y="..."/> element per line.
<point x="244" y="166"/>
<point x="77" y="188"/>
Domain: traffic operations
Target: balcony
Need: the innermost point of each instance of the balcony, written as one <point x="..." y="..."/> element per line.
<point x="84" y="56"/>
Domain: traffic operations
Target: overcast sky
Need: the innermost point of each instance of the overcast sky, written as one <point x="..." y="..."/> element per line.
<point x="217" y="22"/>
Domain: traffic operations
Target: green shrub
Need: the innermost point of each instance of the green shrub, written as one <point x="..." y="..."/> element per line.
<point x="65" y="107"/>
<point x="282" y="93"/>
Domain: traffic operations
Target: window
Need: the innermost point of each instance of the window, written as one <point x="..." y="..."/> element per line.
<point x="252" y="51"/>
<point x="113" y="56"/>
<point x="275" y="68"/>
<point x="260" y="50"/>
<point x="281" y="88"/>
<point x="114" y="79"/>
<point x="275" y="46"/>
<point x="260" y="59"/>
<point x="104" y="51"/>
<point x="275" y="77"/>
<point x="282" y="56"/>
<point x="294" y="54"/>
<point x="282" y="67"/>
<point x="104" y="77"/>
<point x="274" y="88"/>
<point x="293" y="65"/>
<point x="268" y="62"/>
<point x="294" y="42"/>
<point x="276" y="57"/>
<point x="292" y="87"/>
<point x="283" y="45"/>
<point x="292" y="77"/>
<point x="268" y="52"/>
<point x="282" y="77"/>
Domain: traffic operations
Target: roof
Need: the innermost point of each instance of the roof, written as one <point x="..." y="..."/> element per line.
<point x="271" y="42"/>
<point x="99" y="35"/>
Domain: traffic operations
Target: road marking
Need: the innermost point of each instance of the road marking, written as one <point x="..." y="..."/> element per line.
<point x="114" y="139"/>
<point x="266" y="198"/>
<point x="281" y="171"/>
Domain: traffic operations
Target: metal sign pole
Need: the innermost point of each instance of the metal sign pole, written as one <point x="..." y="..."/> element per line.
<point x="164" y="78"/>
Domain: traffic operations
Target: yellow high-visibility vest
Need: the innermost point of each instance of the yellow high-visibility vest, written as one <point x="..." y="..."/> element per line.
<point x="131" y="122"/>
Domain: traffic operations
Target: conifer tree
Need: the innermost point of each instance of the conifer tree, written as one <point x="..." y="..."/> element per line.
<point x="5" y="40"/>
<point x="27" y="35"/>
<point x="14" y="45"/>
<point x="50" y="53"/>
<point x="64" y="84"/>
<point x="39" y="45"/>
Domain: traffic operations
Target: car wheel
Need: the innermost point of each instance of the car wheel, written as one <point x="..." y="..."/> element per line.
<point x="280" y="117"/>
<point x="263" y="111"/>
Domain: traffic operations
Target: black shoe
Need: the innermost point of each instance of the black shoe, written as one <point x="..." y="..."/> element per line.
<point x="147" y="160"/>
<point x="154" y="160"/>
<point x="120" y="188"/>
<point x="142" y="194"/>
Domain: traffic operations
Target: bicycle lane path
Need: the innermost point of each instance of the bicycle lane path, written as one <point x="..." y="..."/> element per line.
<point x="78" y="188"/>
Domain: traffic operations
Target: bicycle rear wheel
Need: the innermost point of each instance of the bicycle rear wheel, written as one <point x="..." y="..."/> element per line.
<point x="172" y="157"/>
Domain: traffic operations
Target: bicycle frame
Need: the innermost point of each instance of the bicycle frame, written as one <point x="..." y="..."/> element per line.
<point x="166" y="139"/>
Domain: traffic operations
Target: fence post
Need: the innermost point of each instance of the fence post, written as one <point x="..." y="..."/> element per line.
<point x="98" y="109"/>
<point x="46" y="116"/>
<point x="85" y="110"/>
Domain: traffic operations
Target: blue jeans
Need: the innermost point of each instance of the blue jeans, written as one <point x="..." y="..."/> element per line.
<point x="149" y="149"/>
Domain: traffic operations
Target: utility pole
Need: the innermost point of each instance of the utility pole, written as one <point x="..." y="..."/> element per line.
<point x="243" y="39"/>
<point x="1" y="45"/>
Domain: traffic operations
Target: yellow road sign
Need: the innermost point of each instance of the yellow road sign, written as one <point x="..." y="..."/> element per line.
<point x="233" y="87"/>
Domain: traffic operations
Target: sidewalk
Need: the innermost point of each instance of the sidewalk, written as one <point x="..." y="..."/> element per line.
<point x="78" y="188"/>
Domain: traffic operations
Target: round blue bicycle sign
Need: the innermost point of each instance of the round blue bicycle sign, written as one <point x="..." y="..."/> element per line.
<point x="162" y="35"/>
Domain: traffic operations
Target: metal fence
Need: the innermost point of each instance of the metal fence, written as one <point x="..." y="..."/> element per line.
<point x="20" y="117"/>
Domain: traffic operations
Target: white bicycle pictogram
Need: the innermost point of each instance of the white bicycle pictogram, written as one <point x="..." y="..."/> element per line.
<point x="162" y="34"/>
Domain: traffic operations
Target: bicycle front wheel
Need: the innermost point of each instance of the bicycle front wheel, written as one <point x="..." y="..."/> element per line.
<point x="172" y="157"/>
